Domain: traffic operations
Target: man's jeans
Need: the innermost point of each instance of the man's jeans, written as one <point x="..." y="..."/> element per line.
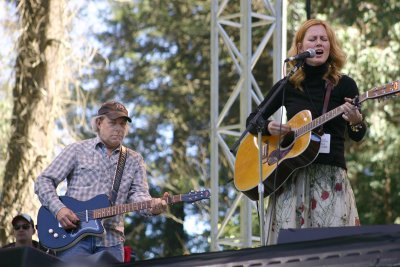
<point x="87" y="246"/>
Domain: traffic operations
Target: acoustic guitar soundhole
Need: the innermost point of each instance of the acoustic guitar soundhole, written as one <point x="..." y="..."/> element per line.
<point x="287" y="140"/>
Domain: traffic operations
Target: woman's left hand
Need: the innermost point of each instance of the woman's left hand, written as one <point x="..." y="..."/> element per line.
<point x="351" y="112"/>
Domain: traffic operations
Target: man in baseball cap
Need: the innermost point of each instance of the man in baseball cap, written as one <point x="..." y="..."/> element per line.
<point x="111" y="125"/>
<point x="23" y="230"/>
<point x="25" y="217"/>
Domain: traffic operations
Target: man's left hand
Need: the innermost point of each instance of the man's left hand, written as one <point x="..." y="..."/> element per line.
<point x="159" y="205"/>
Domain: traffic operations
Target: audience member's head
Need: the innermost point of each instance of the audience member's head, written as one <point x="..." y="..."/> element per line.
<point x="24" y="229"/>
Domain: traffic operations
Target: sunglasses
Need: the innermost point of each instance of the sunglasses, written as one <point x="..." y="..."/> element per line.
<point x="23" y="226"/>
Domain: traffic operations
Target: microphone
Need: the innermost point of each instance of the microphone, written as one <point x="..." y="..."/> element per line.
<point x="307" y="54"/>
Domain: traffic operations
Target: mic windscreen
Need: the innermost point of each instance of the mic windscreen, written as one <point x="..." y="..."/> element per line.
<point x="312" y="52"/>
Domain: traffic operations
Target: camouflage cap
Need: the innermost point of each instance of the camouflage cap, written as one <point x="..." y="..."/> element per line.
<point x="114" y="110"/>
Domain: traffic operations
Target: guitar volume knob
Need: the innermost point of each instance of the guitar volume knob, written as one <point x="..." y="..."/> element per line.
<point x="55" y="235"/>
<point x="51" y="231"/>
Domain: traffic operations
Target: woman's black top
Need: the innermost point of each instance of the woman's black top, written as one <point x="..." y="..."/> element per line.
<point x="312" y="98"/>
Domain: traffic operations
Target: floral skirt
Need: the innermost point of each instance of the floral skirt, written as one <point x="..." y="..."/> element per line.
<point x="315" y="196"/>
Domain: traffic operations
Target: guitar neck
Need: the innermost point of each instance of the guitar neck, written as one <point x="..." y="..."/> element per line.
<point x="319" y="121"/>
<point x="325" y="118"/>
<point x="124" y="208"/>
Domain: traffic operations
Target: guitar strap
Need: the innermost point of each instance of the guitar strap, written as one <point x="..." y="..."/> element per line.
<point x="118" y="174"/>
<point x="329" y="87"/>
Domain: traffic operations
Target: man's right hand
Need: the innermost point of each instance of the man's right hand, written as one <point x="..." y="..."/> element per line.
<point x="67" y="218"/>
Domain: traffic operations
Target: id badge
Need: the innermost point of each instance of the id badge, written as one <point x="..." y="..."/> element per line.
<point x="325" y="146"/>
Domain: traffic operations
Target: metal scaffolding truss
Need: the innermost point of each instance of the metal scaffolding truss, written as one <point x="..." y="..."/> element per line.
<point x="272" y="17"/>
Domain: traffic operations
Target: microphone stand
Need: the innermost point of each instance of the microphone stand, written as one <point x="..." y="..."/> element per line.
<point x="258" y="122"/>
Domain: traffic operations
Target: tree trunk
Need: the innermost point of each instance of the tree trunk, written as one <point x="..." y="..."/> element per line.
<point x="39" y="81"/>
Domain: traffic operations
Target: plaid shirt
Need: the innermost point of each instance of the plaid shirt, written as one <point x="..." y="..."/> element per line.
<point x="90" y="172"/>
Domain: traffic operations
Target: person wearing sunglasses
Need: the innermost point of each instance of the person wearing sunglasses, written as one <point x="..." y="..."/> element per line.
<point x="23" y="231"/>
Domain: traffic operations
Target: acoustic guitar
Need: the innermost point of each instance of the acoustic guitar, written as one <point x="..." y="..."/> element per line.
<point x="282" y="155"/>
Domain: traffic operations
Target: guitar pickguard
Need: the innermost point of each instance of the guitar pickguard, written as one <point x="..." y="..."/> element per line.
<point x="277" y="154"/>
<point x="92" y="225"/>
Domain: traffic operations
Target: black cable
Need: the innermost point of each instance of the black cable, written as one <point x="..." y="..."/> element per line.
<point x="277" y="165"/>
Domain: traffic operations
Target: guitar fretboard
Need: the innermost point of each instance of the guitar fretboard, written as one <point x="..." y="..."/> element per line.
<point x="124" y="208"/>
<point x="377" y="92"/>
<point x="318" y="121"/>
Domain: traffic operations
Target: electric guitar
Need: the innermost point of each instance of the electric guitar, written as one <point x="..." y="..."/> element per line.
<point x="90" y="212"/>
<point x="281" y="156"/>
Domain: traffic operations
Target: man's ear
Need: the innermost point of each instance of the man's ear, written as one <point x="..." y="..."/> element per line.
<point x="98" y="122"/>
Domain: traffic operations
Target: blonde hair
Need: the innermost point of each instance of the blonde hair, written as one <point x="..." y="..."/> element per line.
<point x="336" y="59"/>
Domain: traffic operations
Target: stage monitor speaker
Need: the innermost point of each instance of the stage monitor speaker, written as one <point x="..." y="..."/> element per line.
<point x="354" y="247"/>
<point x="309" y="234"/>
<point x="26" y="257"/>
<point x="103" y="257"/>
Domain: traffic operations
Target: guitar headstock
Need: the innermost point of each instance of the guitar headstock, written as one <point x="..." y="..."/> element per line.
<point x="193" y="196"/>
<point x="386" y="90"/>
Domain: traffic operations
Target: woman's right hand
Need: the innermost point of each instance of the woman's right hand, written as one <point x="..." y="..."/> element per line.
<point x="275" y="128"/>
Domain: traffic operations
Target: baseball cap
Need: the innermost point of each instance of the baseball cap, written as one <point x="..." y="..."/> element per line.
<point x="24" y="216"/>
<point x="114" y="110"/>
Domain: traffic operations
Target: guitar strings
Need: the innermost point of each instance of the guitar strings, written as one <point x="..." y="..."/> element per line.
<point x="190" y="197"/>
